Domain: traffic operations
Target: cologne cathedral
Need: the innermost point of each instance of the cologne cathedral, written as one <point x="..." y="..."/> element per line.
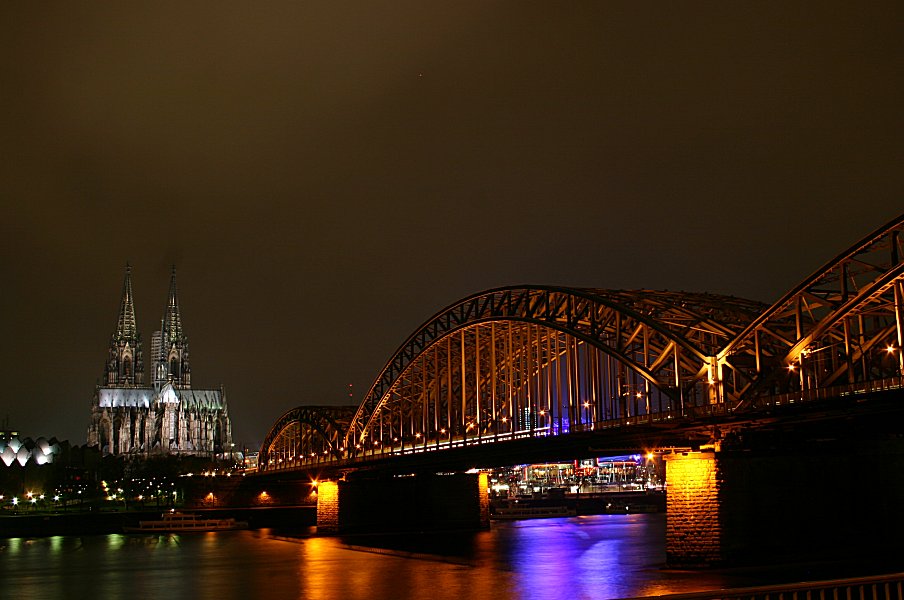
<point x="168" y="416"/>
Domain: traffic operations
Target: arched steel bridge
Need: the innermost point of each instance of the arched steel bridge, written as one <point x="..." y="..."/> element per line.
<point x="533" y="361"/>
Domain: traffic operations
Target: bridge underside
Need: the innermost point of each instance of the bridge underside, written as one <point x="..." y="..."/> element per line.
<point x="425" y="502"/>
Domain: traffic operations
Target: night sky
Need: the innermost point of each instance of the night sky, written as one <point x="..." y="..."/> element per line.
<point x="326" y="176"/>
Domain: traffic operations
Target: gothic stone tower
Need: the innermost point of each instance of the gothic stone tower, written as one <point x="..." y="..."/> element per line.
<point x="170" y="345"/>
<point x="167" y="417"/>
<point x="125" y="367"/>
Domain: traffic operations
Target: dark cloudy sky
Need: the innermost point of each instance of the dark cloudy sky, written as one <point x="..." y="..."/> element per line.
<point x="327" y="175"/>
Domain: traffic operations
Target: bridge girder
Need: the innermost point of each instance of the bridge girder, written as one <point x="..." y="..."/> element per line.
<point x="528" y="361"/>
<point x="305" y="434"/>
<point x="565" y="350"/>
<point x="825" y="331"/>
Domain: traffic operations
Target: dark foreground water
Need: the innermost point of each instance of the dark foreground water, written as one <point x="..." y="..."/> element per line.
<point x="604" y="556"/>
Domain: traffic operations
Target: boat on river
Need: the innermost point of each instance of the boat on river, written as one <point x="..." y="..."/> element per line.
<point x="512" y="513"/>
<point x="179" y="522"/>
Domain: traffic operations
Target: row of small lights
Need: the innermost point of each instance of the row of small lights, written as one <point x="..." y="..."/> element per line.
<point x="890" y="349"/>
<point x="118" y="494"/>
<point x="417" y="436"/>
<point x="32" y="497"/>
<point x="443" y="431"/>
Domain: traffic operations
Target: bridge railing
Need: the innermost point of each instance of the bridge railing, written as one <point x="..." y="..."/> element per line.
<point x="689" y="412"/>
<point x="881" y="587"/>
<point x="382" y="450"/>
<point x="459" y="441"/>
<point x="837" y="391"/>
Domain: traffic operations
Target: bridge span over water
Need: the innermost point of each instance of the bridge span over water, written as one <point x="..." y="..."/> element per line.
<point x="762" y="412"/>
<point x="525" y="363"/>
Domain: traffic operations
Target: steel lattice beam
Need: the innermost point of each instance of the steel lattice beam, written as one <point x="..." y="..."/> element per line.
<point x="304" y="433"/>
<point x="538" y="360"/>
<point x="822" y="332"/>
<point x="665" y="338"/>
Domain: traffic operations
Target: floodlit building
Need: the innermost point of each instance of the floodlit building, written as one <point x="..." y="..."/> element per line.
<point x="15" y="451"/>
<point x="166" y="416"/>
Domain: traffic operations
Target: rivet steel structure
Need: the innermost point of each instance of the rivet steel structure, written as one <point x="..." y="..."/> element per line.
<point x="530" y="361"/>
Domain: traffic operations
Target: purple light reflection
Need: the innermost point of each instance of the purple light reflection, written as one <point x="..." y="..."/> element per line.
<point x="592" y="557"/>
<point x="544" y="552"/>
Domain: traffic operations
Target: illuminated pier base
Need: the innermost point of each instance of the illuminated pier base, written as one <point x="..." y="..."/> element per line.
<point x="398" y="504"/>
<point x="694" y="529"/>
<point x="814" y="502"/>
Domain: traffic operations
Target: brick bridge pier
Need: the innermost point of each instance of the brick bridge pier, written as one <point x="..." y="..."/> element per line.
<point x="828" y="500"/>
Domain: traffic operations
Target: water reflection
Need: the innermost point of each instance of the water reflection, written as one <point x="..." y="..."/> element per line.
<point x="606" y="556"/>
<point x="545" y="556"/>
<point x="603" y="556"/>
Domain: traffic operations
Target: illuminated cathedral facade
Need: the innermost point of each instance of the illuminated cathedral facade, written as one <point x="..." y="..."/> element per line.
<point x="167" y="415"/>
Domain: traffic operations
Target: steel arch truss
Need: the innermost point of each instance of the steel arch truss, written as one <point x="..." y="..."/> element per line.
<point x="525" y="361"/>
<point x="841" y="326"/>
<point x="305" y="435"/>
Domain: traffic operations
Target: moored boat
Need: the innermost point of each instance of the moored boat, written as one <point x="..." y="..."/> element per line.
<point x="511" y="513"/>
<point x="176" y="522"/>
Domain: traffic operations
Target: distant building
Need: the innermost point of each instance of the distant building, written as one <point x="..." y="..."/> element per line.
<point x="168" y="416"/>
<point x="15" y="451"/>
<point x="6" y="433"/>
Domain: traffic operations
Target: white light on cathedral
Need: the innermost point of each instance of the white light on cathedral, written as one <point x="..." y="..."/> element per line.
<point x="169" y="388"/>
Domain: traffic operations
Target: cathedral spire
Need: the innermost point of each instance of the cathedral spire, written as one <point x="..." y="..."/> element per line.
<point x="172" y="344"/>
<point x="125" y="366"/>
<point x="125" y="326"/>
<point x="172" y="320"/>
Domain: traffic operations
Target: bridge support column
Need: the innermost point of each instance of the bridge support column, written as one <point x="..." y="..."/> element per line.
<point x="397" y="504"/>
<point x="328" y="507"/>
<point x="825" y="500"/>
<point x="693" y="526"/>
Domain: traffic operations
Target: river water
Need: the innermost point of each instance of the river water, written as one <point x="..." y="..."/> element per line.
<point x="588" y="557"/>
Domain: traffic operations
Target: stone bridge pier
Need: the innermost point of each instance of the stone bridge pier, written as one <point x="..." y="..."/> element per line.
<point x="826" y="501"/>
<point x="426" y="502"/>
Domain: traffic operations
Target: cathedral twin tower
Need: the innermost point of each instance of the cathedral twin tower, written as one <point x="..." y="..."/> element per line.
<point x="167" y="416"/>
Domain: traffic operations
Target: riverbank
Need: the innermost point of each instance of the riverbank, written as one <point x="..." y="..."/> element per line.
<point x="104" y="522"/>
